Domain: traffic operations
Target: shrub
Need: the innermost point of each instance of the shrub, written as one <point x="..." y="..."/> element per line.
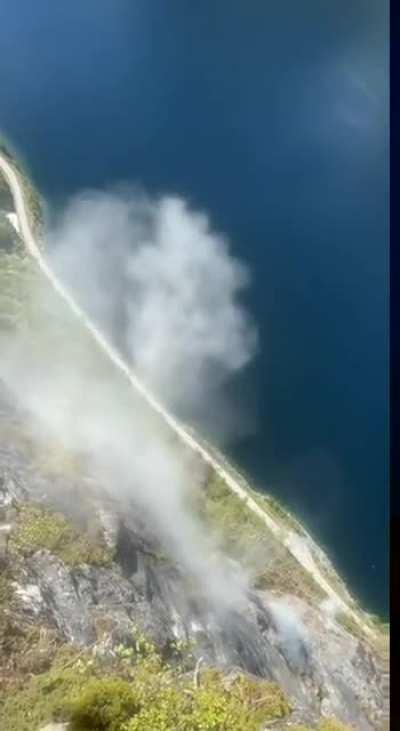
<point x="168" y="711"/>
<point x="217" y="705"/>
<point x="104" y="705"/>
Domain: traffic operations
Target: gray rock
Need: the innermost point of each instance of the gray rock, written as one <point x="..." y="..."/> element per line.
<point x="322" y="670"/>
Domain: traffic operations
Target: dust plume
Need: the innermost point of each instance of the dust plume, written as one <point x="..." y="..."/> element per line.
<point x="292" y="634"/>
<point x="165" y="288"/>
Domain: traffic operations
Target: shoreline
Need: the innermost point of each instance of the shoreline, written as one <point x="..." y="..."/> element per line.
<point x="295" y="538"/>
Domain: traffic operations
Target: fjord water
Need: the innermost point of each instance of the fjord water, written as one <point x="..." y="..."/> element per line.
<point x="272" y="117"/>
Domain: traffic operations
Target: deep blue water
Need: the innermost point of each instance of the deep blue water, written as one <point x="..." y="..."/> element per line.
<point x="271" y="116"/>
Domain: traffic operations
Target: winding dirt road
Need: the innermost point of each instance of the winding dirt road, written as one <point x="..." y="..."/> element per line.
<point x="295" y="544"/>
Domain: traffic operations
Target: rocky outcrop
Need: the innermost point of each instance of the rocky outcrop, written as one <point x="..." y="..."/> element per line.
<point x="322" y="668"/>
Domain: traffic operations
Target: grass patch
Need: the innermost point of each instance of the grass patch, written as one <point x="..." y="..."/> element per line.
<point x="5" y="590"/>
<point x="349" y="624"/>
<point x="244" y="535"/>
<point x="237" y="526"/>
<point x="41" y="698"/>
<point x="277" y="511"/>
<point x="328" y="724"/>
<point x="380" y="624"/>
<point x="37" y="528"/>
<point x="25" y="650"/>
<point x="284" y="574"/>
<point x="379" y="643"/>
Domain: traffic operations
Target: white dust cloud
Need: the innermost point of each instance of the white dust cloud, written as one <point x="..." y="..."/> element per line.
<point x="165" y="288"/>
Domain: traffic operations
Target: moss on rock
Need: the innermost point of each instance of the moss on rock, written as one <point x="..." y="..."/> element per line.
<point x="37" y="529"/>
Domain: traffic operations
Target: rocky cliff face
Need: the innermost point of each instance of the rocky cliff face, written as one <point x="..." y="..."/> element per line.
<point x="112" y="576"/>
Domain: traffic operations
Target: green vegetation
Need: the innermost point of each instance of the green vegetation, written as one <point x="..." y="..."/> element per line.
<point x="379" y="642"/>
<point x="141" y="694"/>
<point x="237" y="528"/>
<point x="349" y="624"/>
<point x="140" y="691"/>
<point x="280" y="514"/>
<point x="240" y="705"/>
<point x="33" y="703"/>
<point x="104" y="704"/>
<point x="5" y="590"/>
<point x="160" y="704"/>
<point x="51" y="332"/>
<point x="284" y="575"/>
<point x="328" y="724"/>
<point x="37" y="528"/>
<point x="266" y="502"/>
<point x="244" y="535"/>
<point x="380" y="624"/>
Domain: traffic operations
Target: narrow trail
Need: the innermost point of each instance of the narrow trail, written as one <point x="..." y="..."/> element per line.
<point x="293" y="542"/>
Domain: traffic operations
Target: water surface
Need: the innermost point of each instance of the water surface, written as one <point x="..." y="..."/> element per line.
<point x="273" y="118"/>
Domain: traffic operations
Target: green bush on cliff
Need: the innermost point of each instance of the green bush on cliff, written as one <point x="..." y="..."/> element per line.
<point x="216" y="704"/>
<point x="109" y="695"/>
<point x="105" y="704"/>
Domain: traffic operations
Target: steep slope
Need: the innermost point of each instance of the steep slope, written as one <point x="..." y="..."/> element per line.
<point x="24" y="218"/>
<point x="91" y="577"/>
<point x="85" y="565"/>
